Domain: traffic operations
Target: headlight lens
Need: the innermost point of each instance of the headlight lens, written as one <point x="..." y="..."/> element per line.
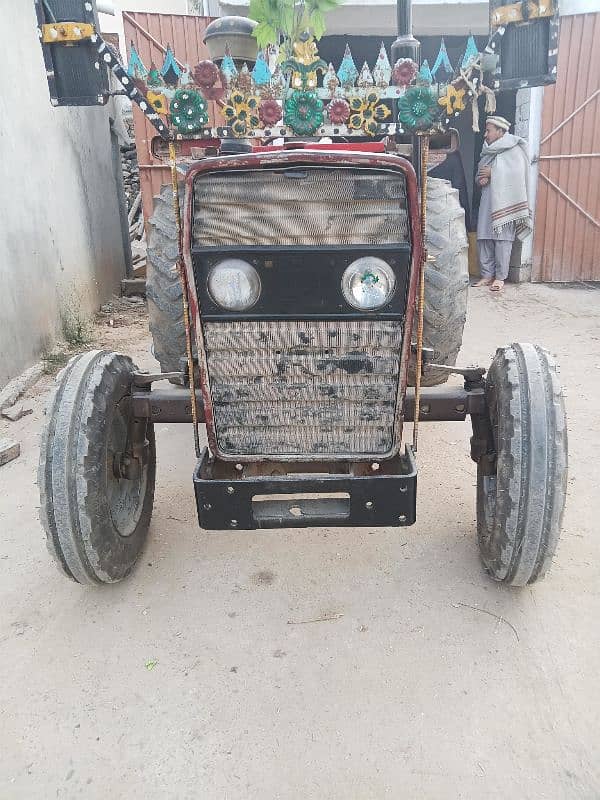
<point x="368" y="283"/>
<point x="234" y="284"/>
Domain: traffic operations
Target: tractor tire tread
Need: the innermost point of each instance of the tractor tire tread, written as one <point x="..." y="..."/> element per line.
<point x="163" y="284"/>
<point x="532" y="464"/>
<point x="69" y="476"/>
<point x="446" y="279"/>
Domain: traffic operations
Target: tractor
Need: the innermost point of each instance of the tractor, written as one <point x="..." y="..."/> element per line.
<point x="307" y="299"/>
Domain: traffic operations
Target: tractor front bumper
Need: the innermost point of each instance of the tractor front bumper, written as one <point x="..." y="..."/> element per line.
<point x="293" y="495"/>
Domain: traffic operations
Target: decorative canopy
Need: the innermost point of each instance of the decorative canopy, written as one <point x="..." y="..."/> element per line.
<point x="301" y="95"/>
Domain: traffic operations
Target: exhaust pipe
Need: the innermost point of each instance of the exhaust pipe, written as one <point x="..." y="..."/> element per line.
<point x="405" y="46"/>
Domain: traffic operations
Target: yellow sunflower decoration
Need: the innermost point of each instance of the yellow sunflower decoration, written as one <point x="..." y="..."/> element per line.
<point x="241" y="113"/>
<point x="366" y="113"/>
<point x="453" y="101"/>
<point x="158" y="102"/>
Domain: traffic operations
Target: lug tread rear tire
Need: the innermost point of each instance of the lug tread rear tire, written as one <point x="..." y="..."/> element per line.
<point x="163" y="285"/>
<point x="446" y="279"/>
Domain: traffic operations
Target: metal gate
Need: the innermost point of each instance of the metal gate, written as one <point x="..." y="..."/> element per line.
<point x="151" y="33"/>
<point x="567" y="222"/>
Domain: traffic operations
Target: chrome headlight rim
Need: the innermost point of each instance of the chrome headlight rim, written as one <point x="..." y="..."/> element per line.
<point x="374" y="265"/>
<point x="244" y="268"/>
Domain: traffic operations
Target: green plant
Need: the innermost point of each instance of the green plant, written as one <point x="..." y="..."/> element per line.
<point x="76" y="327"/>
<point x="283" y="22"/>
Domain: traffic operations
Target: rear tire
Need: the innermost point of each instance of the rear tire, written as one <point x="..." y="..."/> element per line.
<point x="446" y="279"/>
<point x="163" y="285"/>
<point x="96" y="523"/>
<point x="520" y="506"/>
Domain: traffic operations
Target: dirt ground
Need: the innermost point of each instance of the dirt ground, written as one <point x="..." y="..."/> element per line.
<point x="202" y="676"/>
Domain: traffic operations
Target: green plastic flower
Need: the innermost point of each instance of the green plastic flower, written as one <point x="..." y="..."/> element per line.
<point x="417" y="108"/>
<point x="303" y="112"/>
<point x="188" y="111"/>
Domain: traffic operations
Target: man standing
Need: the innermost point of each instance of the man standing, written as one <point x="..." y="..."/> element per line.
<point x="504" y="208"/>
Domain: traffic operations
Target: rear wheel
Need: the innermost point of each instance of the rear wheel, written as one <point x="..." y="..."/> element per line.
<point x="96" y="471"/>
<point x="446" y="279"/>
<point x="163" y="285"/>
<point x="520" y="500"/>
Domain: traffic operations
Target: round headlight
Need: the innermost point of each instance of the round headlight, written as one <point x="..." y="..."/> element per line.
<point x="234" y="284"/>
<point x="368" y="283"/>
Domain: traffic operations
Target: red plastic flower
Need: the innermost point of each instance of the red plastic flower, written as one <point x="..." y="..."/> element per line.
<point x="338" y="112"/>
<point x="269" y="112"/>
<point x="404" y="72"/>
<point x="206" y="74"/>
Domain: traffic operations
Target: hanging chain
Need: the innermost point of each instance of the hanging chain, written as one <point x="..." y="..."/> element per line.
<point x="184" y="292"/>
<point x="421" y="307"/>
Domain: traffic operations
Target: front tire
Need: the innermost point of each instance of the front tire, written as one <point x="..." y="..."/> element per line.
<point x="520" y="505"/>
<point x="96" y="520"/>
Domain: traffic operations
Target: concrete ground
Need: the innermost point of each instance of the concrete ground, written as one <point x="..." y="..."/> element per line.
<point x="204" y="675"/>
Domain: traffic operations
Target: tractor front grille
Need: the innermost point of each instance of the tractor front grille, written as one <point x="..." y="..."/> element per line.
<point x="298" y="206"/>
<point x="304" y="388"/>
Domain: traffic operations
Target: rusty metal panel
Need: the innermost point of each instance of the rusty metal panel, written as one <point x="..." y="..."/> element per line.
<point x="151" y="33"/>
<point x="567" y="224"/>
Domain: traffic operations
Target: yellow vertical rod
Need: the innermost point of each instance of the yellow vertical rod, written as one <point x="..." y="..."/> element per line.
<point x="421" y="307"/>
<point x="184" y="292"/>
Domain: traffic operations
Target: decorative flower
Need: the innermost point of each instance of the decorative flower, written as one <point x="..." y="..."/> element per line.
<point x="206" y="74"/>
<point x="188" y="111"/>
<point x="269" y="112"/>
<point x="417" y="108"/>
<point x="303" y="112"/>
<point x="241" y="113"/>
<point x="453" y="101"/>
<point x="158" y="102"/>
<point x="367" y="113"/>
<point x="404" y="72"/>
<point x="338" y="112"/>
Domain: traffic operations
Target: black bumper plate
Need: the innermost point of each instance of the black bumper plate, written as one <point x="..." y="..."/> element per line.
<point x="386" y="498"/>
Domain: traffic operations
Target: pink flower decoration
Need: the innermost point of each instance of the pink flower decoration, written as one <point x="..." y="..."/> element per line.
<point x="269" y="112"/>
<point x="404" y="72"/>
<point x="338" y="112"/>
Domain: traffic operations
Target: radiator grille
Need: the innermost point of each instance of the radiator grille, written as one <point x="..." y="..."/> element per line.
<point x="304" y="388"/>
<point x="300" y="206"/>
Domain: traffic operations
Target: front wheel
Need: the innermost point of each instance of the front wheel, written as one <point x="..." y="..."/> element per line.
<point x="521" y="494"/>
<point x="96" y="472"/>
